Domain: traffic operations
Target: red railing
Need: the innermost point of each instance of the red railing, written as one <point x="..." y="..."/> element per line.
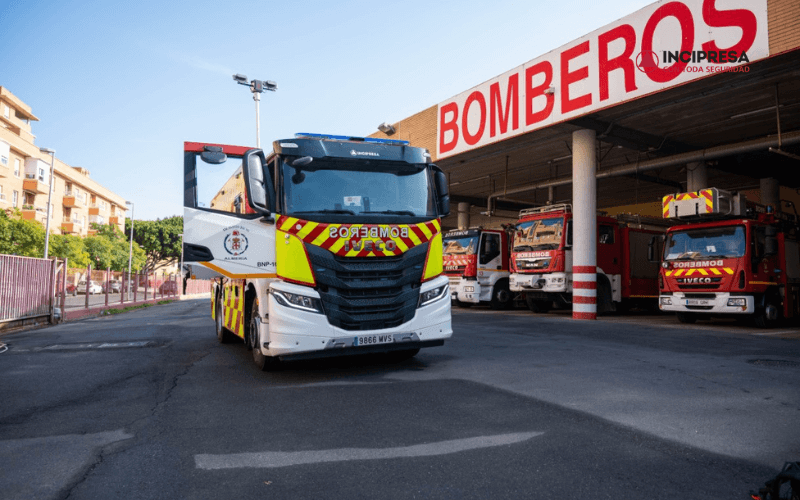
<point x="26" y="287"/>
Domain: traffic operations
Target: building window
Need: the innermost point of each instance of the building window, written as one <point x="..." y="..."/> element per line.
<point x="3" y="159"/>
<point x="16" y="167"/>
<point x="15" y="198"/>
<point x="41" y="175"/>
<point x="6" y="111"/>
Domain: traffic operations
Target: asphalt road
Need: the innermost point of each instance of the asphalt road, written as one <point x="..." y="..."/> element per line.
<point x="149" y="405"/>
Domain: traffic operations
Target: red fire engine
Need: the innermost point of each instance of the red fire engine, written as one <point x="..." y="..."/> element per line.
<point x="541" y="259"/>
<point x="476" y="262"/>
<point x="731" y="257"/>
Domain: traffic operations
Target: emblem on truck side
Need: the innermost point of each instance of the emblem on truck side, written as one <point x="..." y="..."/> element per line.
<point x="236" y="243"/>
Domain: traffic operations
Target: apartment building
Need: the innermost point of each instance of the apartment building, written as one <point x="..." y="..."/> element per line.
<point x="25" y="181"/>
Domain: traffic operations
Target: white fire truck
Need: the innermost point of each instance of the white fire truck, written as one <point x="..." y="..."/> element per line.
<point x="329" y="246"/>
<point x="476" y="262"/>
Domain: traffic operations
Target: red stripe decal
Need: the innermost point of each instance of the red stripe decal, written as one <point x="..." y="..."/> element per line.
<point x="315" y="232"/>
<point x="420" y="234"/>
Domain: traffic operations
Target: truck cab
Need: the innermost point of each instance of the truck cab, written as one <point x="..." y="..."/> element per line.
<point x="476" y="263"/>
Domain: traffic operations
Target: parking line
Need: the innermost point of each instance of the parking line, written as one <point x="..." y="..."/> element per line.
<point x="273" y="459"/>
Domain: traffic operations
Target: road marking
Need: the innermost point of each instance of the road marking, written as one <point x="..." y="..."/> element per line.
<point x="91" y="345"/>
<point x="273" y="459"/>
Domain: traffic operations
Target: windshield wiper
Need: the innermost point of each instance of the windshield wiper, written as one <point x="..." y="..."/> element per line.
<point x="392" y="212"/>
<point x="326" y="211"/>
<point x="523" y="248"/>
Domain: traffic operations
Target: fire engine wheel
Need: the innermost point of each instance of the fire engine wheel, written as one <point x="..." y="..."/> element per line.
<point x="687" y="318"/>
<point x="264" y="363"/>
<point x="769" y="315"/>
<point x="537" y="306"/>
<point x="223" y="335"/>
<point x="501" y="295"/>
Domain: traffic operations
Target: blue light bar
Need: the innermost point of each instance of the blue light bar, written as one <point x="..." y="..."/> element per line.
<point x="301" y="135"/>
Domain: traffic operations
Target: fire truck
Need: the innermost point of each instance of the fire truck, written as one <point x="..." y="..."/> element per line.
<point x="730" y="256"/>
<point x="541" y="259"/>
<point x="476" y="263"/>
<point x="328" y="246"/>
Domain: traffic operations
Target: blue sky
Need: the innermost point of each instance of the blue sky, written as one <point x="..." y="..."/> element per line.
<point x="118" y="88"/>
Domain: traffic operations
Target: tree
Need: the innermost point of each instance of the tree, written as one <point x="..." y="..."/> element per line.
<point x="68" y="246"/>
<point x="20" y="237"/>
<point x="109" y="248"/>
<point x="160" y="239"/>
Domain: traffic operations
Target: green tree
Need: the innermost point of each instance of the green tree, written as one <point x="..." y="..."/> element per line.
<point x="70" y="247"/>
<point x="20" y="237"/>
<point x="160" y="239"/>
<point x="109" y="248"/>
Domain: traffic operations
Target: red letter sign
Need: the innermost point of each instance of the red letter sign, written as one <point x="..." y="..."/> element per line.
<point x="567" y="78"/>
<point x="623" y="61"/>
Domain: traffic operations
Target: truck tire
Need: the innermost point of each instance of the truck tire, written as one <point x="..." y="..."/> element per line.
<point x="501" y="295"/>
<point x="537" y="306"/>
<point x="605" y="302"/>
<point x="223" y="335"/>
<point x="769" y="315"/>
<point x="263" y="363"/>
<point x="687" y="318"/>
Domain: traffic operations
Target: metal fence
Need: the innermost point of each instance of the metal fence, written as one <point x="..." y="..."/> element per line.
<point x="26" y="287"/>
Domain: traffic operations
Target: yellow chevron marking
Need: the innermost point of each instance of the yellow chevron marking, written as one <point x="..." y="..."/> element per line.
<point x="690" y="272"/>
<point x="668" y="273"/>
<point x="310" y="226"/>
<point x="678" y="272"/>
<point x="290" y="221"/>
<point x="427" y="232"/>
<point x="703" y="272"/>
<point x="728" y="270"/>
<point x="715" y="271"/>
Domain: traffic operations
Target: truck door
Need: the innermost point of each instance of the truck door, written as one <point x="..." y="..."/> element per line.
<point x="222" y="235"/>
<point x="490" y="257"/>
<point x="609" y="252"/>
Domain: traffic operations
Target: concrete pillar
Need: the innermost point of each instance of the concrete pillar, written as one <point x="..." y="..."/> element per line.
<point x="463" y="215"/>
<point x="696" y="176"/>
<point x="584" y="230"/>
<point x="771" y="193"/>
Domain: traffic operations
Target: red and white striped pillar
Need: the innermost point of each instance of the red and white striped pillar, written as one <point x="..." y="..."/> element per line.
<point x="584" y="225"/>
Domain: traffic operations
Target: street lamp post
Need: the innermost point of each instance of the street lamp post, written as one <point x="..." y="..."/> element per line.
<point x="257" y="87"/>
<point x="52" y="153"/>
<point x="130" y="251"/>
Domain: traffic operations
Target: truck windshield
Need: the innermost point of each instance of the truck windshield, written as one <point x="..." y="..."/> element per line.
<point x="542" y="234"/>
<point x="357" y="187"/>
<point x="466" y="245"/>
<point x="720" y="242"/>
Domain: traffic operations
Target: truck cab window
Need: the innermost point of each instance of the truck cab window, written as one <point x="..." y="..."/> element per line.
<point x="606" y="234"/>
<point x="490" y="248"/>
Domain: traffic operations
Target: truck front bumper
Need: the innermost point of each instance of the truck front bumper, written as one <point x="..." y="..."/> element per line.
<point x="291" y="333"/>
<point x="466" y="291"/>
<point x="548" y="283"/>
<point x="722" y="303"/>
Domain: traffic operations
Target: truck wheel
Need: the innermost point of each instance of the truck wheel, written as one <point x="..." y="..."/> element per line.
<point x="769" y="316"/>
<point x="537" y="306"/>
<point x="223" y="335"/>
<point x="264" y="363"/>
<point x="687" y="318"/>
<point x="501" y="295"/>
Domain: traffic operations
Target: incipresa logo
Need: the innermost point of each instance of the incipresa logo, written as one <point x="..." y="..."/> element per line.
<point x="677" y="61"/>
<point x="353" y="152"/>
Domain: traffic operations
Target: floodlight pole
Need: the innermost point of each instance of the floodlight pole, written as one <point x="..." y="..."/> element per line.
<point x="130" y="252"/>
<point x="257" y="87"/>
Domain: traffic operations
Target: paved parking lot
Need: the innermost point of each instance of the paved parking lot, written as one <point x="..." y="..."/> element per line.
<point x="149" y="405"/>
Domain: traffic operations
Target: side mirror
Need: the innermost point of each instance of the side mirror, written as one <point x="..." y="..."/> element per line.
<point x="441" y="188"/>
<point x="258" y="184"/>
<point x="213" y="155"/>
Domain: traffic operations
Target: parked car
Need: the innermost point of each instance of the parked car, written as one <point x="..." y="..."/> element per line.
<point x="72" y="289"/>
<point x="168" y="287"/>
<point x="94" y="287"/>
<point x="114" y="286"/>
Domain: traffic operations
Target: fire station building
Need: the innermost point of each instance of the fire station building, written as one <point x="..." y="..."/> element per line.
<point x="676" y="97"/>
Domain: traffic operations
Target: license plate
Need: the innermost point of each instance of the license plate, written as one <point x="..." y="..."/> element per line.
<point x="385" y="338"/>
<point x="697" y="302"/>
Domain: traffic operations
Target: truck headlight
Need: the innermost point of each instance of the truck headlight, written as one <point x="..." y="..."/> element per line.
<point x="297" y="301"/>
<point x="430" y="296"/>
<point x="666" y="301"/>
<point x="740" y="302"/>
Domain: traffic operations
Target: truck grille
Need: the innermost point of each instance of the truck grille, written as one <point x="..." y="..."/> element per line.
<point x="368" y="293"/>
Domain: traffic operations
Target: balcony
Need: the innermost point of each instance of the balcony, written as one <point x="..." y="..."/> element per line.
<point x="70" y="200"/>
<point x="115" y="221"/>
<point x="33" y="185"/>
<point x="97" y="219"/>
<point x="71" y="226"/>
<point x="29" y="212"/>
<point x="94" y="210"/>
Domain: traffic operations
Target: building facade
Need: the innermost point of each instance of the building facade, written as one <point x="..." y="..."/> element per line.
<point x="76" y="202"/>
